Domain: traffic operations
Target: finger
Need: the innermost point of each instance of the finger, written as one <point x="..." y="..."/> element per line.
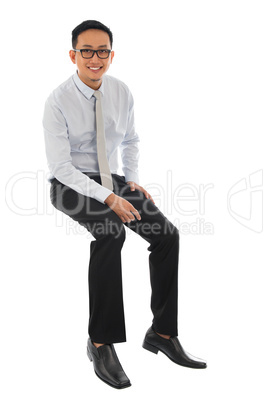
<point x="131" y="185"/>
<point x="125" y="218"/>
<point x="130" y="215"/>
<point x="136" y="213"/>
<point x="151" y="198"/>
<point x="146" y="194"/>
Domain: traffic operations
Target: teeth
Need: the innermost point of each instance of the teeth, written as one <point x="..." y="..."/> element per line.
<point x="94" y="68"/>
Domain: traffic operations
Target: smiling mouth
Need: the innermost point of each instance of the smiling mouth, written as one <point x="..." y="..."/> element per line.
<point x="94" y="68"/>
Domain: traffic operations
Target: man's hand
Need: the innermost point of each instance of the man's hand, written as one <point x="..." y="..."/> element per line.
<point x="122" y="208"/>
<point x="134" y="186"/>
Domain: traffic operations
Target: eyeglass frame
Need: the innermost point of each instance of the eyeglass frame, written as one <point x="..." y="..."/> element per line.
<point x="94" y="52"/>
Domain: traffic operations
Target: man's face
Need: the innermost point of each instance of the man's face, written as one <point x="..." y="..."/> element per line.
<point x="91" y="71"/>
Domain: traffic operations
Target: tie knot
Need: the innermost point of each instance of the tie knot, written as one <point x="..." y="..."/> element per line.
<point x="97" y="94"/>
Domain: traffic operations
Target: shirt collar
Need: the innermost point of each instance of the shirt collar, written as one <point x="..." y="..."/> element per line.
<point x="86" y="90"/>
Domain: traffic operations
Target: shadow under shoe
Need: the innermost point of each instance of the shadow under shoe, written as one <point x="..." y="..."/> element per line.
<point x="107" y="365"/>
<point x="172" y="349"/>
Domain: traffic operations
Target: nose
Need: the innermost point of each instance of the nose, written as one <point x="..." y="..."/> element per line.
<point x="95" y="58"/>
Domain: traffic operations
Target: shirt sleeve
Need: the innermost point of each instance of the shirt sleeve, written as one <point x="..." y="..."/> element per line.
<point x="129" y="147"/>
<point x="58" y="153"/>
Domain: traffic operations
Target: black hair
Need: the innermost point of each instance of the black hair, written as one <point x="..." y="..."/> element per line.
<point x="89" y="24"/>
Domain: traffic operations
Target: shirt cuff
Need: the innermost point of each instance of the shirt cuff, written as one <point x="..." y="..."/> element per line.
<point x="102" y="193"/>
<point x="132" y="176"/>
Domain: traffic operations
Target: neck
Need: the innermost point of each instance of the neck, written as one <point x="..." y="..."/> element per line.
<point x="94" y="84"/>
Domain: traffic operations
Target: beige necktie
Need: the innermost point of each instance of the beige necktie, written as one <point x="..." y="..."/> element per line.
<point x="105" y="173"/>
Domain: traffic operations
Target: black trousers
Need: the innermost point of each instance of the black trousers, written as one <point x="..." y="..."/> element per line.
<point x="106" y="321"/>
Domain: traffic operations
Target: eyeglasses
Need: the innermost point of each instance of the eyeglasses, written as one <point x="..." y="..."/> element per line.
<point x="89" y="53"/>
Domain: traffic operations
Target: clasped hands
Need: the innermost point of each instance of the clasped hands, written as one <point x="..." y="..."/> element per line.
<point x="124" y="209"/>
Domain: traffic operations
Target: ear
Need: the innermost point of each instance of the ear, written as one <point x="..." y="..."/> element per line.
<point x="112" y="56"/>
<point x="72" y="56"/>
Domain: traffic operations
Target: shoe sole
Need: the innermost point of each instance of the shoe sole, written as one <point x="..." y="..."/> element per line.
<point x="106" y="382"/>
<point x="155" y="350"/>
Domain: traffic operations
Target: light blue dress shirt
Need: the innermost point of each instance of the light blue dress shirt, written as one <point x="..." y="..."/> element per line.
<point x="70" y="134"/>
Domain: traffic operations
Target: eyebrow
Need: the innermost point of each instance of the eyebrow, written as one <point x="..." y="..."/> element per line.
<point x="98" y="46"/>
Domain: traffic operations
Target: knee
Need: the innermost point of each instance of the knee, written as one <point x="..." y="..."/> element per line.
<point x="173" y="238"/>
<point x="176" y="235"/>
<point x="107" y="232"/>
<point x="173" y="233"/>
<point x="117" y="235"/>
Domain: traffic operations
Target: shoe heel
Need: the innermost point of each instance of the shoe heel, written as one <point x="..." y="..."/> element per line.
<point x="149" y="347"/>
<point x="89" y="355"/>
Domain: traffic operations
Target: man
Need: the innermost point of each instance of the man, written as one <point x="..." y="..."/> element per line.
<point x="87" y="120"/>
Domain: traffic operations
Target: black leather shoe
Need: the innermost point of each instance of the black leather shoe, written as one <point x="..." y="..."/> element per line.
<point x="172" y="349"/>
<point x="107" y="366"/>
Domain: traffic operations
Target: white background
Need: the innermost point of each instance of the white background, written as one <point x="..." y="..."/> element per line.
<point x="198" y="73"/>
